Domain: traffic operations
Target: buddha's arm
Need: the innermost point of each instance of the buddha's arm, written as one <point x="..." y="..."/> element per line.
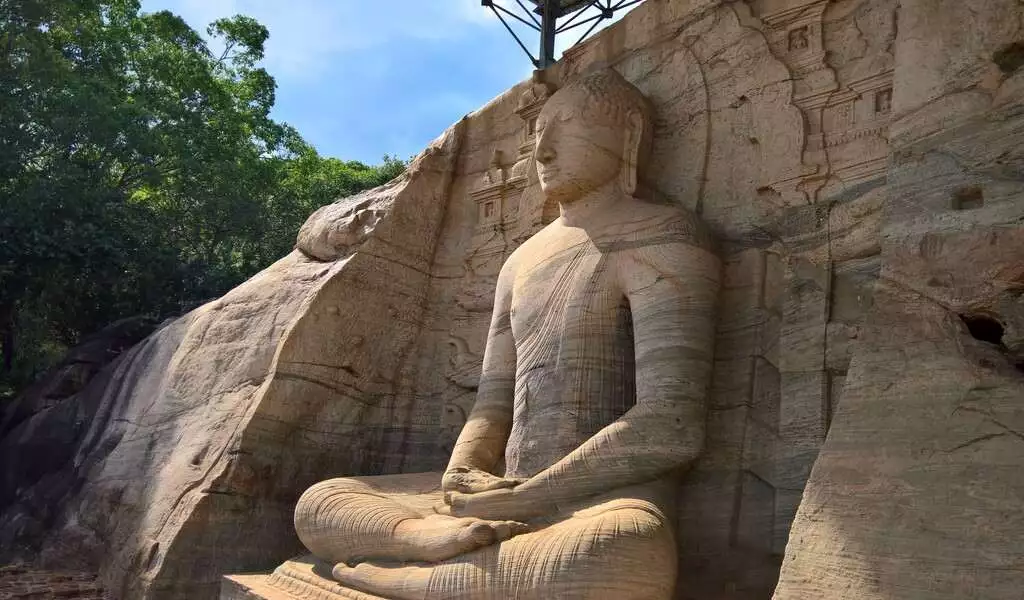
<point x="672" y="290"/>
<point x="481" y="444"/>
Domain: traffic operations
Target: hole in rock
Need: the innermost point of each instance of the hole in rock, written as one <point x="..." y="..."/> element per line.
<point x="1010" y="58"/>
<point x="984" y="328"/>
<point x="967" y="198"/>
<point x="739" y="102"/>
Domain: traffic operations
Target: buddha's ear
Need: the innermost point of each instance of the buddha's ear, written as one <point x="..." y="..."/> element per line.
<point x="631" y="153"/>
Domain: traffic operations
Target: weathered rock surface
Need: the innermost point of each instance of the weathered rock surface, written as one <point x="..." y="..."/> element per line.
<point x="39" y="428"/>
<point x="18" y="582"/>
<point x="76" y="369"/>
<point x="917" y="492"/>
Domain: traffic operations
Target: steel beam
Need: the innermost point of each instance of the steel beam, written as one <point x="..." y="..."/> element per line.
<point x="551" y="10"/>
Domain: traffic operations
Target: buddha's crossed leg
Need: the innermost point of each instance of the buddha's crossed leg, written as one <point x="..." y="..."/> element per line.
<point x="390" y="517"/>
<point x="621" y="547"/>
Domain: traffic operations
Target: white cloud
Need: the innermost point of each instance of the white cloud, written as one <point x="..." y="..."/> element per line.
<point x="306" y="36"/>
<point x="363" y="77"/>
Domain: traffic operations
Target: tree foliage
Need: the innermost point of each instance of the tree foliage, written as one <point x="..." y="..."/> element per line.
<point x="140" y="170"/>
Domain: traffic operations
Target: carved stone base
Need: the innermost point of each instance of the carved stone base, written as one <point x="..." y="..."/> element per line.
<point x="303" y="578"/>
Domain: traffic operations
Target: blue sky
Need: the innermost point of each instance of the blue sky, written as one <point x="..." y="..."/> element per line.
<point x="364" y="78"/>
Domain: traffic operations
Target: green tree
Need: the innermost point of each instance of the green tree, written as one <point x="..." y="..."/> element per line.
<point x="140" y="172"/>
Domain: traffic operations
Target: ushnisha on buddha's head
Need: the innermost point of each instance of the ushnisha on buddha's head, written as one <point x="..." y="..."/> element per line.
<point x="593" y="136"/>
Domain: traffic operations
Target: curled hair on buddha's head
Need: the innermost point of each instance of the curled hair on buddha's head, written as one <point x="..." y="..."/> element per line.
<point x="604" y="97"/>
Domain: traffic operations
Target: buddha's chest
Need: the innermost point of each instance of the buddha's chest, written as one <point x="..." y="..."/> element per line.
<point x="571" y="292"/>
<point x="574" y="355"/>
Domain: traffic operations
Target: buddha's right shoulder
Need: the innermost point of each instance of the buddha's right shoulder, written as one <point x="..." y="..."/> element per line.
<point x="511" y="265"/>
<point x="537" y="243"/>
<point x="512" y="262"/>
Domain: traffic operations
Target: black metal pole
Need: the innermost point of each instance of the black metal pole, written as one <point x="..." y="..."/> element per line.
<point x="549" y="20"/>
<point x="550" y="11"/>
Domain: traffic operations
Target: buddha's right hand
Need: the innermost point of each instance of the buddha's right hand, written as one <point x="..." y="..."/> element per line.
<point x="470" y="480"/>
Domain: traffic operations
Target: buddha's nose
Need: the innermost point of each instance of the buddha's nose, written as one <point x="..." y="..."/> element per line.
<point x="544" y="153"/>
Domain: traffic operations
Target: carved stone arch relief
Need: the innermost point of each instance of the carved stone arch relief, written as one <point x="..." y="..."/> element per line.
<point x="756" y="135"/>
<point x="843" y="79"/>
<point x="726" y="129"/>
<point x="671" y="78"/>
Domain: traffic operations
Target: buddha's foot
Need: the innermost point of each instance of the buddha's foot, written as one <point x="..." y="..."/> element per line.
<point x="439" y="537"/>
<point x="408" y="582"/>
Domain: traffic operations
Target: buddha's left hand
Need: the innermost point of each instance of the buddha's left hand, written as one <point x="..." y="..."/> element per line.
<point x="470" y="480"/>
<point x="493" y="504"/>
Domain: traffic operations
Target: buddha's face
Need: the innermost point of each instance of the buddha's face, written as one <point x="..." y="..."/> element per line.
<point x="575" y="155"/>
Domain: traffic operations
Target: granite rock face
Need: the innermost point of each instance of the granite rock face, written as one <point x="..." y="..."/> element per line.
<point x="858" y="162"/>
<point x="46" y="420"/>
<point x="917" y="492"/>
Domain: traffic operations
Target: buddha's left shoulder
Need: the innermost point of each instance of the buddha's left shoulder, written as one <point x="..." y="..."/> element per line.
<point x="652" y="224"/>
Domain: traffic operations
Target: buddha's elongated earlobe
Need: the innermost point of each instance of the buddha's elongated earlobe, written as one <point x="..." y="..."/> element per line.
<point x="631" y="152"/>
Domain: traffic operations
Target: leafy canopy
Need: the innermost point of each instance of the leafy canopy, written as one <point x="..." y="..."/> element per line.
<point x="140" y="171"/>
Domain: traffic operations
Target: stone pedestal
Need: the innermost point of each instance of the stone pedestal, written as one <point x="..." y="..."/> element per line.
<point x="303" y="578"/>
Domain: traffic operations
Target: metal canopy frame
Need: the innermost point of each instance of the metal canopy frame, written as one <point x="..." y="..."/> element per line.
<point x="549" y="12"/>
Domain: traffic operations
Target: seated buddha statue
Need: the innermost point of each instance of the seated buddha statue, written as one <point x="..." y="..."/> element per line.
<point x="591" y="399"/>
